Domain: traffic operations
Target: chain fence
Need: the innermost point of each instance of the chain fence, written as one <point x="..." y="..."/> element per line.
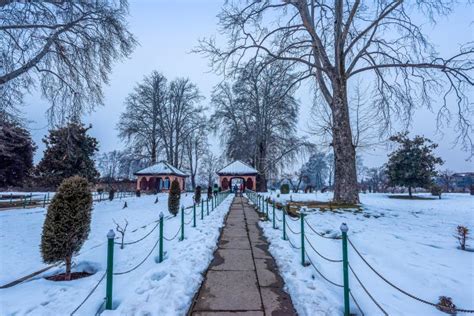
<point x="260" y="205"/>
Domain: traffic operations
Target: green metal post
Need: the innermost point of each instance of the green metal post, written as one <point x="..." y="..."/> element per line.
<point x="47" y="199"/>
<point x="302" y="239"/>
<point x="182" y="223"/>
<point x="44" y="200"/>
<point x="24" y="201"/>
<point x="31" y="195"/>
<point x="110" y="269"/>
<point x="202" y="209"/>
<point x="160" y="254"/>
<point x="266" y="206"/>
<point x="194" y="214"/>
<point x="207" y="206"/>
<point x="284" y="222"/>
<point x="345" y="269"/>
<point x="11" y="198"/>
<point x="274" y="222"/>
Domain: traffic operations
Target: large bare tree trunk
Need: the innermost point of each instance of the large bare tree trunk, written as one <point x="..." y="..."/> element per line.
<point x="345" y="179"/>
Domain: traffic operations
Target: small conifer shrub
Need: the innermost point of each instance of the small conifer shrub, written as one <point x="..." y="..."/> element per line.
<point x="67" y="222"/>
<point x="436" y="190"/>
<point x="111" y="194"/>
<point x="174" y="197"/>
<point x="285" y="188"/>
<point x="197" y="195"/>
<point x="209" y="192"/>
<point x="138" y="193"/>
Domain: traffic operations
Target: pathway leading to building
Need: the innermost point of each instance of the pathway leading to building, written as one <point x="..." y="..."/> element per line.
<point x="243" y="278"/>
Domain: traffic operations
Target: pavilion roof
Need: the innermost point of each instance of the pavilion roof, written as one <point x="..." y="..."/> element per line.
<point x="161" y="168"/>
<point x="237" y="167"/>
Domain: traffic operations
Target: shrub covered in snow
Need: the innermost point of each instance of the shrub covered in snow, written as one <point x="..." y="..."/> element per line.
<point x="67" y="222"/>
<point x="174" y="197"/>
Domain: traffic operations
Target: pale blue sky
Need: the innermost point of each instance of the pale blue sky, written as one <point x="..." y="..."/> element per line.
<point x="168" y="29"/>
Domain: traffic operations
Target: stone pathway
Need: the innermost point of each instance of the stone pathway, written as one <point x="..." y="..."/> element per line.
<point x="243" y="278"/>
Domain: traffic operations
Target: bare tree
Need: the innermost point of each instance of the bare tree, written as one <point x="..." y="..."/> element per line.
<point x="140" y="124"/>
<point x="180" y="119"/>
<point x="447" y="179"/>
<point x="160" y="118"/>
<point x="195" y="146"/>
<point x="210" y="164"/>
<point x="66" y="48"/>
<point x="335" y="41"/>
<point x="257" y="116"/>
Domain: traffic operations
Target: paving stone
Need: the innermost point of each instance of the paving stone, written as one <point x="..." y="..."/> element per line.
<point x="232" y="259"/>
<point x="234" y="243"/>
<point x="229" y="232"/>
<point x="221" y="313"/>
<point x="229" y="291"/>
<point x="267" y="273"/>
<point x="276" y="302"/>
<point x="260" y="251"/>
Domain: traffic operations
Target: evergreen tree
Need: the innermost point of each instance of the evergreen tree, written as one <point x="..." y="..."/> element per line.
<point x="16" y="154"/>
<point x="197" y="194"/>
<point x="67" y="222"/>
<point x="413" y="163"/>
<point x="69" y="152"/>
<point x="315" y="171"/>
<point x="174" y="197"/>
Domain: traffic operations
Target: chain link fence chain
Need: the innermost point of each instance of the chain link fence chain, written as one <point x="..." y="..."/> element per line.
<point x="174" y="237"/>
<point x="367" y="291"/>
<point x="399" y="289"/>
<point x="138" y="265"/>
<point x="322" y="275"/>
<point x="319" y="234"/>
<point x="319" y="254"/>
<point x="288" y="226"/>
<point x="190" y="220"/>
<point x="292" y="244"/>
<point x="357" y="303"/>
<point x="89" y="295"/>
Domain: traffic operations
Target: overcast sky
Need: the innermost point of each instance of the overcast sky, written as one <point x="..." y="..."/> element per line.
<point x="167" y="31"/>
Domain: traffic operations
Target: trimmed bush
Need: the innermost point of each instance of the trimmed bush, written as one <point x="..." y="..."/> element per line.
<point x="67" y="222"/>
<point x="436" y="190"/>
<point x="197" y="195"/>
<point x="174" y="197"/>
<point x="138" y="193"/>
<point x="111" y="194"/>
<point x="209" y="192"/>
<point x="285" y="188"/>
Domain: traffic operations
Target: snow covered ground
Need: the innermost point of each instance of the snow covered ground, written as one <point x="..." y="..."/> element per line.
<point x="410" y="242"/>
<point x="152" y="289"/>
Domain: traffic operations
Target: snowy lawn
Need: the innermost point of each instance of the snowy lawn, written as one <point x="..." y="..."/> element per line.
<point x="152" y="289"/>
<point x="410" y="242"/>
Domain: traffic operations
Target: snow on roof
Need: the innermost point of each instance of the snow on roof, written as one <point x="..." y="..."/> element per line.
<point x="162" y="168"/>
<point x="237" y="167"/>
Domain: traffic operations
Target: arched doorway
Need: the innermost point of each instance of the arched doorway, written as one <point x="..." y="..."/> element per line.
<point x="143" y="184"/>
<point x="249" y="184"/>
<point x="225" y="184"/>
<point x="236" y="182"/>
